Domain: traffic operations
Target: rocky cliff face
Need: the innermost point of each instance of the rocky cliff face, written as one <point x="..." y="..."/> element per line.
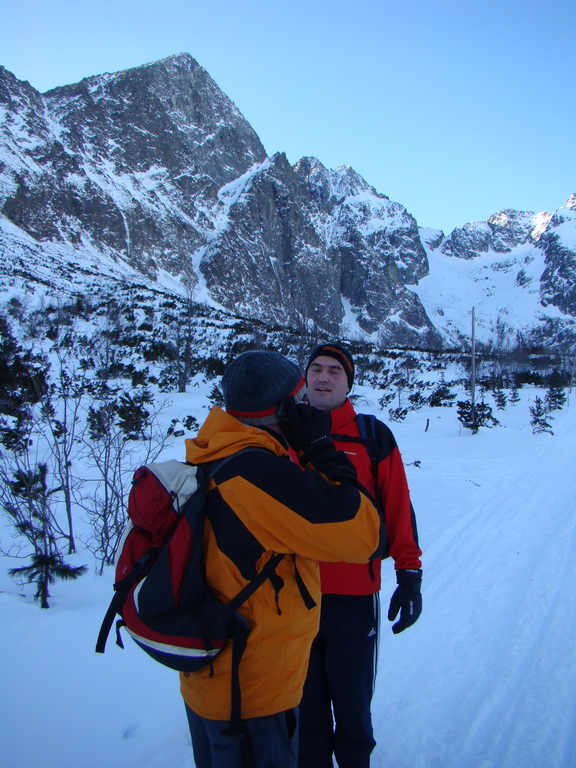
<point x="303" y="245"/>
<point x="154" y="172"/>
<point x="130" y="163"/>
<point x="375" y="247"/>
<point x="558" y="281"/>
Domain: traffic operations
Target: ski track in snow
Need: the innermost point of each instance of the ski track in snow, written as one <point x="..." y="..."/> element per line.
<point x="485" y="668"/>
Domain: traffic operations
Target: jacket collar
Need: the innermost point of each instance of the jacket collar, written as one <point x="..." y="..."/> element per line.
<point x="222" y="435"/>
<point x="343" y="416"/>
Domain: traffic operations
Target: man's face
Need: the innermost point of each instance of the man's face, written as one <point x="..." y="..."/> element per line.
<point x="327" y="383"/>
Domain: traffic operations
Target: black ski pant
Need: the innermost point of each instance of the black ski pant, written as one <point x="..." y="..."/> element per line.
<point x="335" y="717"/>
<point x="264" y="742"/>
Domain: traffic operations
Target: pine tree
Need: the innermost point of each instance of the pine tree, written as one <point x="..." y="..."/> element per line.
<point x="474" y="417"/>
<point x="441" y="397"/>
<point x="216" y="397"/>
<point x="467" y="415"/>
<point x="26" y="499"/>
<point x="44" y="570"/>
<point x="397" y="414"/>
<point x="500" y="398"/>
<point x="538" y="421"/>
<point x="22" y="382"/>
<point x="417" y="400"/>
<point x="555" y="398"/>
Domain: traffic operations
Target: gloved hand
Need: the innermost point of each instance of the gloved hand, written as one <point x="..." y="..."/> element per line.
<point x="406" y="599"/>
<point x="303" y="424"/>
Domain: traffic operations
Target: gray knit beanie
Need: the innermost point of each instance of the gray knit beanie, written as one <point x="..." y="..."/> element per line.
<point x="255" y="383"/>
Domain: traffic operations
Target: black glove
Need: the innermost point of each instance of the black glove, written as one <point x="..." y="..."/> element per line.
<point x="303" y="425"/>
<point x="406" y="599"/>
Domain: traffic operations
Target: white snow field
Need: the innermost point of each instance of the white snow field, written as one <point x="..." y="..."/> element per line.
<point x="485" y="679"/>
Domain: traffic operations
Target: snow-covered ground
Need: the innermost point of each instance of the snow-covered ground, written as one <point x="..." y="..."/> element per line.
<point x="485" y="679"/>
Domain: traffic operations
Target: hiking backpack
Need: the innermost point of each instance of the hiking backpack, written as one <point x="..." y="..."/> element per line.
<point x="160" y="590"/>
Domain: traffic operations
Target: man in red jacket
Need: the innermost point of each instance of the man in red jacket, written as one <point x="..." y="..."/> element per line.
<point x="335" y="717"/>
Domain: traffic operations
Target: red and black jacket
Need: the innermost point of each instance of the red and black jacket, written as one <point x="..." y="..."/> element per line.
<point x="389" y="488"/>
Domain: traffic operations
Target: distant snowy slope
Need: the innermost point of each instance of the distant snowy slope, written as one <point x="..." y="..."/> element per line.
<point x="517" y="270"/>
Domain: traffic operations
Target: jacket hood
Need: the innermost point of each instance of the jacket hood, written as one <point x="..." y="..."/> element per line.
<point x="222" y="435"/>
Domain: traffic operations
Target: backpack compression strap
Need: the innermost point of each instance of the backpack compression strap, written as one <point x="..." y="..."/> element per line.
<point x="240" y="639"/>
<point x="121" y="590"/>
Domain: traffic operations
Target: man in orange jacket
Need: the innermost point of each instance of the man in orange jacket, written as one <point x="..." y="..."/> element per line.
<point x="335" y="716"/>
<point x="261" y="504"/>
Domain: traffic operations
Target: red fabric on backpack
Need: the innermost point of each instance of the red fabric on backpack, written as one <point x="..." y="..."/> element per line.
<point x="160" y="590"/>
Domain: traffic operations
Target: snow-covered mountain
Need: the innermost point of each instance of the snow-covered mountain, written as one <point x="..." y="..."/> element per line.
<point x="519" y="271"/>
<point x="152" y="175"/>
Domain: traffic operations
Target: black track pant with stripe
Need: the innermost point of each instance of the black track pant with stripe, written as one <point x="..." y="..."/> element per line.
<point x="335" y="718"/>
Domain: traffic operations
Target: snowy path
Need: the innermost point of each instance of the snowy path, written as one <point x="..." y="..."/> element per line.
<point x="481" y="680"/>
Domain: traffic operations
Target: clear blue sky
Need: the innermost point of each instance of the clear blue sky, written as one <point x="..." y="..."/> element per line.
<point x="453" y="108"/>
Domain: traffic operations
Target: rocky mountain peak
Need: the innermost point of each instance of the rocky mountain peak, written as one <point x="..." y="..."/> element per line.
<point x="346" y="182"/>
<point x="316" y="178"/>
<point x="501" y="233"/>
<point x="168" y="114"/>
<point x="510" y="228"/>
<point x="469" y="241"/>
<point x="153" y="172"/>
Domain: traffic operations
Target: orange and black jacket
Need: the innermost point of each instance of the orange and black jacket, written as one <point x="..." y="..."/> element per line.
<point x="389" y="487"/>
<point x="262" y="503"/>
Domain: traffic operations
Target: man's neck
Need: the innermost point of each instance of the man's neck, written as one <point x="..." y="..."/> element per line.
<point x="327" y="409"/>
<point x="276" y="431"/>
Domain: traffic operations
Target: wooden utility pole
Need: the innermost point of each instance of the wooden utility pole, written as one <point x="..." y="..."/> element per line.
<point x="571" y="378"/>
<point x="473" y="367"/>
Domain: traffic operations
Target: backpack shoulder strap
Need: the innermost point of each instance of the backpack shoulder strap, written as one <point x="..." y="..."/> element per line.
<point x="367" y="427"/>
<point x="212" y="467"/>
<point x="368" y="437"/>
